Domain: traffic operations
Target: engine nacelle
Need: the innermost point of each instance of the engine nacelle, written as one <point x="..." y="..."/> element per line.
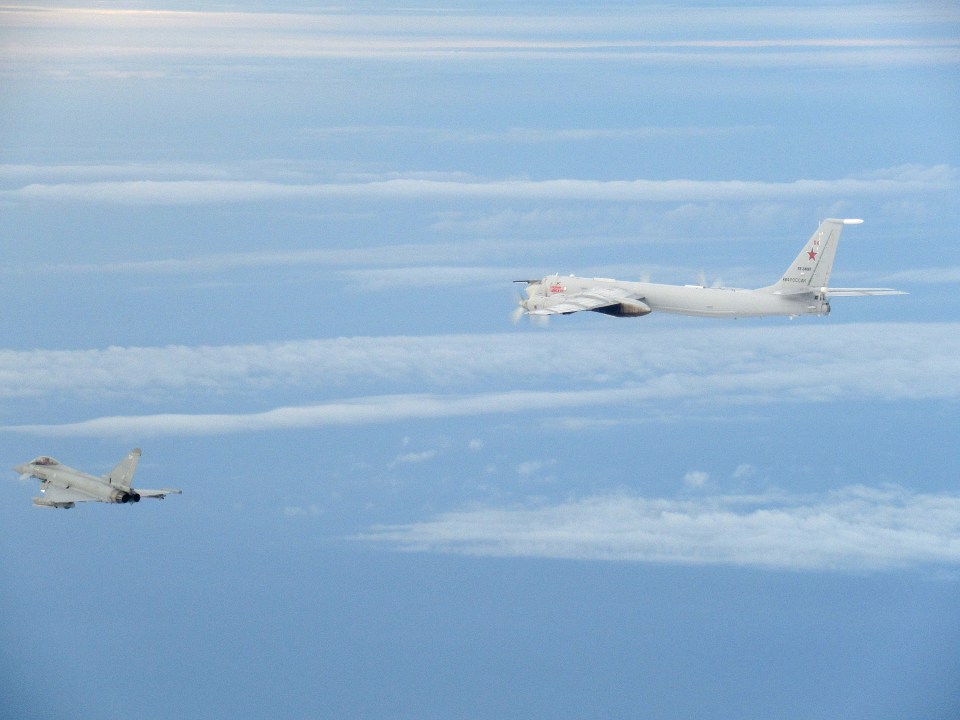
<point x="122" y="496"/>
<point x="626" y="308"/>
<point x="823" y="302"/>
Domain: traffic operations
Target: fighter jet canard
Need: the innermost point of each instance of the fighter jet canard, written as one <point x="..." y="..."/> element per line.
<point x="63" y="487"/>
<point x="802" y="290"/>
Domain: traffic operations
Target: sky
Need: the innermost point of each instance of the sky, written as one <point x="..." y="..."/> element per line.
<point x="273" y="245"/>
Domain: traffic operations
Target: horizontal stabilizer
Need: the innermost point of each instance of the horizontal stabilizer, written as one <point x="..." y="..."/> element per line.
<point x="159" y="494"/>
<point x="852" y="292"/>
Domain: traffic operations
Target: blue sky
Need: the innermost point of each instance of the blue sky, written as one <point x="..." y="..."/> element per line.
<point x="272" y="245"/>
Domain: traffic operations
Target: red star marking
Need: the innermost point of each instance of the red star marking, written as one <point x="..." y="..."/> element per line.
<point x="812" y="254"/>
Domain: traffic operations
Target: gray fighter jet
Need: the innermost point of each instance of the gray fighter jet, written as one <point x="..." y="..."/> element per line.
<point x="63" y="487"/>
<point x="802" y="290"/>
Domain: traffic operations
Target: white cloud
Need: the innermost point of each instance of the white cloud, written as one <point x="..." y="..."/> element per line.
<point x="429" y="276"/>
<point x="894" y="182"/>
<point x="18" y="173"/>
<point x="311" y="510"/>
<point x="105" y="42"/>
<point x="531" y="468"/>
<point x="383" y="256"/>
<point x="357" y="411"/>
<point x="413" y="458"/>
<point x="925" y="276"/>
<point x="696" y="478"/>
<point x="728" y="364"/>
<point x="855" y="529"/>
<point x="744" y="470"/>
<point x="526" y="135"/>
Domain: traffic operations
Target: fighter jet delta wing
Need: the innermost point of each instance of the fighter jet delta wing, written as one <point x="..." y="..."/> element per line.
<point x="803" y="289"/>
<point x="58" y="497"/>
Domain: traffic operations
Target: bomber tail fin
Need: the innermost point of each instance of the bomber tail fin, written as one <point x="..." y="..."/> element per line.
<point x="811" y="270"/>
<point x="122" y="475"/>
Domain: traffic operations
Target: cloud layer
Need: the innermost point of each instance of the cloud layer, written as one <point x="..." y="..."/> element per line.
<point x="166" y="39"/>
<point x="853" y="529"/>
<point x="810" y="360"/>
<point x="464" y="375"/>
<point x="896" y="182"/>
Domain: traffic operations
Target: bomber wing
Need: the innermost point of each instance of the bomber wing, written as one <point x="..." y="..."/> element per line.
<point x="592" y="299"/>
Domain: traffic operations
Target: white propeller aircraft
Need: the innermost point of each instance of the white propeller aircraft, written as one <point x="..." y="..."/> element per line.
<point x="802" y="290"/>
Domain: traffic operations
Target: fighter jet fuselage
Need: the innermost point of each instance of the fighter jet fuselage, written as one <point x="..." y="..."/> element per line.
<point x="62" y="486"/>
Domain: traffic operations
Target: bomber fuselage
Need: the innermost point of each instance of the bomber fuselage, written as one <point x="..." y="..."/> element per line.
<point x="682" y="299"/>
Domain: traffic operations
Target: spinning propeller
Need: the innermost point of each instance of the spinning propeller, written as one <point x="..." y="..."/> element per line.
<point x="521" y="309"/>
